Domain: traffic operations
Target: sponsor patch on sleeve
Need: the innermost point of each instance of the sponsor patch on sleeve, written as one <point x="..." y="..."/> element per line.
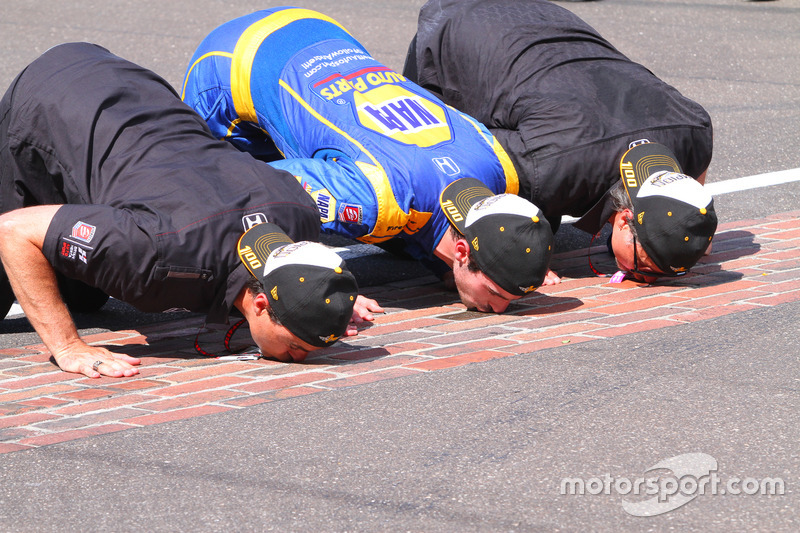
<point x="350" y="213"/>
<point x="74" y="252"/>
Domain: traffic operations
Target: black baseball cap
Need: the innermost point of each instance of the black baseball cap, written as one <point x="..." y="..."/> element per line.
<point x="510" y="238"/>
<point x="308" y="285"/>
<point x="673" y="213"/>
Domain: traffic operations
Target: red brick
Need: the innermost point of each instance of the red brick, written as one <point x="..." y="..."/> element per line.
<point x="201" y="385"/>
<point x="722" y="299"/>
<point x="791" y="264"/>
<point x="6" y="447"/>
<point x="471" y="336"/>
<point x="358" y="353"/>
<point x="781" y="255"/>
<point x="189" y="400"/>
<point x="636" y="327"/>
<point x="642" y="303"/>
<point x="281" y="369"/>
<point x="570" y="304"/>
<point x="784" y="224"/>
<point x="370" y="377"/>
<point x="588" y="292"/>
<point x="482" y="321"/>
<point x="782" y="245"/>
<point x="44" y="402"/>
<point x="634" y="292"/>
<point x="137" y="384"/>
<point x="213" y="369"/>
<point x="37" y="392"/>
<point x="558" y="318"/>
<point x="16" y="352"/>
<point x="24" y="420"/>
<point x="379" y="364"/>
<point x="180" y="414"/>
<point x="569" y="284"/>
<point x="399" y="316"/>
<point x="784" y="286"/>
<point x="786" y="214"/>
<point x="285" y="382"/>
<point x="782" y="298"/>
<point x="100" y="405"/>
<point x="713" y="312"/>
<point x="645" y="314"/>
<point x="752" y="224"/>
<point x="785" y="235"/>
<point x="778" y="277"/>
<point x="93" y="419"/>
<point x="96" y="338"/>
<point x="557" y="331"/>
<point x="455" y="349"/>
<point x="17" y="433"/>
<point x="734" y="265"/>
<point x="43" y="379"/>
<point x="535" y="346"/>
<point x="459" y="360"/>
<point x="88" y="394"/>
<point x="281" y="394"/>
<point x="401" y="326"/>
<point x="27" y="369"/>
<point x="64" y="436"/>
<point x="722" y="288"/>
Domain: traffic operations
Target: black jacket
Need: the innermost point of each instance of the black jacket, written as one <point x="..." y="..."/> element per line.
<point x="155" y="204"/>
<point x="563" y="102"/>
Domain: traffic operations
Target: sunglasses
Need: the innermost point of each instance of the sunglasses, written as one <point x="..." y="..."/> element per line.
<point x="650" y="274"/>
<point x="635" y="269"/>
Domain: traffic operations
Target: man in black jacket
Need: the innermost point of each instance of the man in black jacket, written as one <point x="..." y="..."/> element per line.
<point x="107" y="178"/>
<point x="566" y="106"/>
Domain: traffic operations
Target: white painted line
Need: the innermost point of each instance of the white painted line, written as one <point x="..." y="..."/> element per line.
<point x="737" y="185"/>
<point x="753" y="182"/>
<point x="719" y="187"/>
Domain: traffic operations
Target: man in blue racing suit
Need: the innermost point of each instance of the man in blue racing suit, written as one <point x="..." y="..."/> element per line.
<point x="292" y="87"/>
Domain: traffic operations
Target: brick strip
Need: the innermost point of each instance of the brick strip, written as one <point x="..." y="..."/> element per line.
<point x="756" y="263"/>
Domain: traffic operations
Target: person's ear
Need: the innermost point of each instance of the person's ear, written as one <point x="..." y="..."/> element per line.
<point x="261" y="303"/>
<point x="625" y="218"/>
<point x="461" y="250"/>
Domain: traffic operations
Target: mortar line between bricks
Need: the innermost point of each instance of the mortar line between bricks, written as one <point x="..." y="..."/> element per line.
<point x="776" y="230"/>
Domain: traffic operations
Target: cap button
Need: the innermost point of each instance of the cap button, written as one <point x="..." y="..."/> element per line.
<point x="703" y="211"/>
<point x="535" y="219"/>
<point x="338" y="270"/>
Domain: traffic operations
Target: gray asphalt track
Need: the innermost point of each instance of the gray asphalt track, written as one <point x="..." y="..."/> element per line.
<point x="481" y="447"/>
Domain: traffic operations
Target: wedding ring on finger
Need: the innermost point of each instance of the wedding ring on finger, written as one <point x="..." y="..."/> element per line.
<point x="96" y="364"/>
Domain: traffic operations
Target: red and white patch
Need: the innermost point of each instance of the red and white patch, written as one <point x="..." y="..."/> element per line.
<point x="351" y="214"/>
<point x="83" y="231"/>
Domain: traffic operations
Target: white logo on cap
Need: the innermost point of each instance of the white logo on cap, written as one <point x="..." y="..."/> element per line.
<point x="302" y="253"/>
<point x="676" y="186"/>
<point x="501" y="204"/>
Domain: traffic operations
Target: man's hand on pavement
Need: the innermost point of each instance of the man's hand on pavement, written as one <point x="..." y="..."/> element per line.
<point x="362" y="312"/>
<point x="80" y="358"/>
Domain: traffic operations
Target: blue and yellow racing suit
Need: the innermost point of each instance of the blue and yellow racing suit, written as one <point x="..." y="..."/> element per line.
<point x="372" y="148"/>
